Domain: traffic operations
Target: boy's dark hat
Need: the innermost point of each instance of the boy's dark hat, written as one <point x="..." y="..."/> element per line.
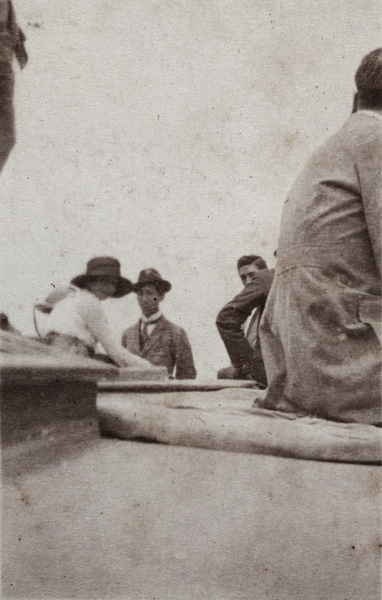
<point x="152" y="277"/>
<point x="106" y="268"/>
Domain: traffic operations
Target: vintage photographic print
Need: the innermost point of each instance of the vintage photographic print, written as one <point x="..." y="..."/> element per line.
<point x="190" y="325"/>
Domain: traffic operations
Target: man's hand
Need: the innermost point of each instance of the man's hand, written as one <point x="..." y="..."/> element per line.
<point x="243" y="372"/>
<point x="261" y="282"/>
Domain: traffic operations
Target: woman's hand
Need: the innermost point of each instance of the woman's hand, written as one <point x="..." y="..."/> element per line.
<point x="139" y="363"/>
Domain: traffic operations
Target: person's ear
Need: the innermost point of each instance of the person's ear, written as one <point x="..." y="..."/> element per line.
<point x="355" y="103"/>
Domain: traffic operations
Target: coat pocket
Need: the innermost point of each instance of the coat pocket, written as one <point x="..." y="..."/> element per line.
<point x="370" y="312"/>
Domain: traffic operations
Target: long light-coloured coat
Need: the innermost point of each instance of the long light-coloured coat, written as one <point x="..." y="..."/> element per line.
<point x="166" y="346"/>
<point x="320" y="356"/>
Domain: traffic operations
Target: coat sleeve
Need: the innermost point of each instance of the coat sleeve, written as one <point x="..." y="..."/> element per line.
<point x="129" y="340"/>
<point x="233" y="316"/>
<point x="368" y="161"/>
<point x="184" y="361"/>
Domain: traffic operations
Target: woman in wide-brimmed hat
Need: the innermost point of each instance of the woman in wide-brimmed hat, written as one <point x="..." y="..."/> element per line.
<point x="77" y="321"/>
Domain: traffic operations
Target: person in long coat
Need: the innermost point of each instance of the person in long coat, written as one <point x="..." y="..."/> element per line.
<point x="154" y="337"/>
<point x="11" y="43"/>
<point x="318" y="333"/>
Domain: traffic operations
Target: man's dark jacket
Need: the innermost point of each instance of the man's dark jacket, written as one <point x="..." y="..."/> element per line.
<point x="231" y="319"/>
<point x="167" y="345"/>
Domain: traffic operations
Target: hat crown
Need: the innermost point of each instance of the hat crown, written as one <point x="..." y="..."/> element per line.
<point x="149" y="276"/>
<point x="104" y="265"/>
<point x="152" y="277"/>
<point x="107" y="268"/>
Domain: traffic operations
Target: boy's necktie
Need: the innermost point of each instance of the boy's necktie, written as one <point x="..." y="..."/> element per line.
<point x="145" y="331"/>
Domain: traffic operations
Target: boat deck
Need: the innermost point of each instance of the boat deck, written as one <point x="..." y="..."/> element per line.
<point x="91" y="517"/>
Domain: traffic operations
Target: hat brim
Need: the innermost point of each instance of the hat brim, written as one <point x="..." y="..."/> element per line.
<point x="124" y="286"/>
<point x="162" y="286"/>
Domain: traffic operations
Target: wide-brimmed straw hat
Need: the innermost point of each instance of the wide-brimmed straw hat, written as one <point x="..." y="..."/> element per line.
<point x="107" y="268"/>
<point x="152" y="277"/>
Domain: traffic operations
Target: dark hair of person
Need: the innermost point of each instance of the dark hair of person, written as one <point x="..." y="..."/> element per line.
<point x="368" y="79"/>
<point x="251" y="259"/>
<point x="96" y="279"/>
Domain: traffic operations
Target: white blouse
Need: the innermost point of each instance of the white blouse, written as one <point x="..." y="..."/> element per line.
<point x="74" y="314"/>
<point x="81" y="315"/>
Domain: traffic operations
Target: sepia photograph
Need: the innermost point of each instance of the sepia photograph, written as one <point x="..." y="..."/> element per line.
<point x="190" y="299"/>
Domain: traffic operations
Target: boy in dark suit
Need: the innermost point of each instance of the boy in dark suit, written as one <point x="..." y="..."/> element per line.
<point x="244" y="348"/>
<point x="154" y="337"/>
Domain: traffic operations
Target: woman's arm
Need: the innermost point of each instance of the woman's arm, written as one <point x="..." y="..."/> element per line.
<point x="96" y="321"/>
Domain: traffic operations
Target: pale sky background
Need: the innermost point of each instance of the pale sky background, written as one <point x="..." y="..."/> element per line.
<point x="167" y="134"/>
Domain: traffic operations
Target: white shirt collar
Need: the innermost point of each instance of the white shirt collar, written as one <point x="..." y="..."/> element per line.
<point x="373" y="113"/>
<point x="152" y="318"/>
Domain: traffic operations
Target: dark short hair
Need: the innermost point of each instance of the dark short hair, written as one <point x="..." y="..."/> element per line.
<point x="250" y="259"/>
<point x="368" y="79"/>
